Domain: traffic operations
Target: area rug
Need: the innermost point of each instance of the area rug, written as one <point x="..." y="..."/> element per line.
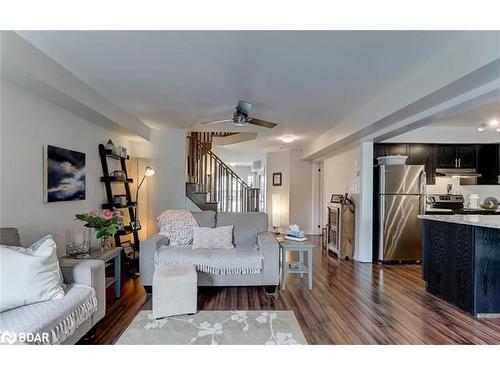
<point x="215" y="328"/>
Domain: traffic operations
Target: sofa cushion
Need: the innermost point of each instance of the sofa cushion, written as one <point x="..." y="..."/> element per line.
<point x="205" y="218"/>
<point x="246" y="225"/>
<point x="241" y="260"/>
<point x="29" y="275"/>
<point x="213" y="238"/>
<point x="9" y="237"/>
<point x="59" y="318"/>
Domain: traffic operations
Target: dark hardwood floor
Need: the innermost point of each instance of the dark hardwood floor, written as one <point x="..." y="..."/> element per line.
<point x="351" y="303"/>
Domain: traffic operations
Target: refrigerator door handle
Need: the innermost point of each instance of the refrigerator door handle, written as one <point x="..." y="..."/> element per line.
<point x="381" y="227"/>
<point x="423" y="192"/>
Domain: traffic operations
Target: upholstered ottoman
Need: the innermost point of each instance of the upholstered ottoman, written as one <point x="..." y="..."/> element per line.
<point x="174" y="290"/>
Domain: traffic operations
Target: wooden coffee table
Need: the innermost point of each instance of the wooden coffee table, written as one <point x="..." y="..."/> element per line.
<point x="300" y="267"/>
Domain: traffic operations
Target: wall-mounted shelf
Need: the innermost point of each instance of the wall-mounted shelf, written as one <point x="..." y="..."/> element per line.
<point x="110" y="206"/>
<point x="115" y="180"/>
<point x="110" y="154"/>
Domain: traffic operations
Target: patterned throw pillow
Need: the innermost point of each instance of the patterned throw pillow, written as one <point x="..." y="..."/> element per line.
<point x="213" y="238"/>
<point x="177" y="225"/>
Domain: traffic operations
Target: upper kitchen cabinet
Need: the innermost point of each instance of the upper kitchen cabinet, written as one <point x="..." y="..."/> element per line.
<point x="456" y="156"/>
<point x="484" y="157"/>
<point x="488" y="164"/>
<point x="422" y="154"/>
<point x="467" y="156"/>
<point x="446" y="156"/>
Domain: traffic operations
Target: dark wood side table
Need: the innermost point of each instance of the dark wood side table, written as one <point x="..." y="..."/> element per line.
<point x="110" y="257"/>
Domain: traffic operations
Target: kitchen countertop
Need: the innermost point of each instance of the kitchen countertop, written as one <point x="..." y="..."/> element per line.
<point x="489" y="221"/>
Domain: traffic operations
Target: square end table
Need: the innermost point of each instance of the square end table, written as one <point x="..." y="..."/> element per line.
<point x="301" y="247"/>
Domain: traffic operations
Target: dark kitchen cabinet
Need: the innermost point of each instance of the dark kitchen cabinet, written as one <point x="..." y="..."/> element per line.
<point x="456" y="156"/>
<point x="467" y="156"/>
<point x="488" y="163"/>
<point x="446" y="156"/>
<point x="484" y="157"/>
<point x="397" y="149"/>
<point x="449" y="262"/>
<point x="422" y="154"/>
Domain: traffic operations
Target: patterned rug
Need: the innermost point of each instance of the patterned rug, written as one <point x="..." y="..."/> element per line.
<point x="255" y="327"/>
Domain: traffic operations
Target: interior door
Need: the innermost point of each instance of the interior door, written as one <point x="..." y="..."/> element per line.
<point x="402" y="229"/>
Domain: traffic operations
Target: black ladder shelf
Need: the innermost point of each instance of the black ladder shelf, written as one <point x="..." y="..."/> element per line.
<point x="111" y="205"/>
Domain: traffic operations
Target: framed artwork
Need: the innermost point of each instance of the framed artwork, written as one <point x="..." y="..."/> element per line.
<point x="277" y="179"/>
<point x="64" y="175"/>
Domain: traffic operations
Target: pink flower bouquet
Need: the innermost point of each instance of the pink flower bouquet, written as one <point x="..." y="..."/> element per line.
<point x="105" y="222"/>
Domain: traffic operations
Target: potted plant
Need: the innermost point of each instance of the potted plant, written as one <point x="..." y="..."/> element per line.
<point x="105" y="223"/>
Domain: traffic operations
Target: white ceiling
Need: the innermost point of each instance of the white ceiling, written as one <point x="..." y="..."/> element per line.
<point x="484" y="114"/>
<point x="306" y="81"/>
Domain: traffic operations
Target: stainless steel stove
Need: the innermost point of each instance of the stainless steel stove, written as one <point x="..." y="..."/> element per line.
<point x="452" y="204"/>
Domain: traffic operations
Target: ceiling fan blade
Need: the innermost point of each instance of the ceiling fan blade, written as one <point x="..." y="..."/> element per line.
<point x="244" y="107"/>
<point x="265" y="124"/>
<point x="217" y="121"/>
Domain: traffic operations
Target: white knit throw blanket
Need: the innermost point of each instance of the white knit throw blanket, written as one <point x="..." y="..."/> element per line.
<point x="215" y="261"/>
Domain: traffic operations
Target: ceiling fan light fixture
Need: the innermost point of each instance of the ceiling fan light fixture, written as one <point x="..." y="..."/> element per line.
<point x="287" y="139"/>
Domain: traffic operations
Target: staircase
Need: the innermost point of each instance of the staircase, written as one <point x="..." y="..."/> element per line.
<point x="211" y="184"/>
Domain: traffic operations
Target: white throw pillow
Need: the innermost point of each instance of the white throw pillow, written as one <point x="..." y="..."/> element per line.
<point x="29" y="275"/>
<point x="177" y="225"/>
<point x="213" y="238"/>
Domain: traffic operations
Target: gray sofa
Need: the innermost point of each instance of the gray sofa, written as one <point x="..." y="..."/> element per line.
<point x="250" y="235"/>
<point x="66" y="319"/>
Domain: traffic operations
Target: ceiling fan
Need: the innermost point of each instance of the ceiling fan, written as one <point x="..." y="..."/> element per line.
<point x="242" y="117"/>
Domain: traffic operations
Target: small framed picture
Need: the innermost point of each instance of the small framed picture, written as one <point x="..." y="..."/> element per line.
<point x="337" y="198"/>
<point x="128" y="248"/>
<point x="135" y="225"/>
<point x="277" y="177"/>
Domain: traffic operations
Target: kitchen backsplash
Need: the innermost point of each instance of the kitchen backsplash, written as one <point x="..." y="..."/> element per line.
<point x="483" y="191"/>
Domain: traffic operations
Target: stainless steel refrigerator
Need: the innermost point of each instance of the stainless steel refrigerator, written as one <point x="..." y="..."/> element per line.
<point x="401" y="199"/>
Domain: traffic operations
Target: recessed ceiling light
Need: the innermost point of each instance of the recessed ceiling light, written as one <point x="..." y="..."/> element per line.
<point x="497" y="129"/>
<point x="481" y="128"/>
<point x="288" y="139"/>
<point x="232" y="164"/>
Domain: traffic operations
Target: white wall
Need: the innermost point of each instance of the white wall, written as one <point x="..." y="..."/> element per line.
<point x="340" y="177"/>
<point x="301" y="193"/>
<point x="296" y="195"/>
<point x="28" y="123"/>
<point x="279" y="162"/>
<point x="167" y="156"/>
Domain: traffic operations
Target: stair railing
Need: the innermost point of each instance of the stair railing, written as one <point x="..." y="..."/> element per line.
<point x="220" y="182"/>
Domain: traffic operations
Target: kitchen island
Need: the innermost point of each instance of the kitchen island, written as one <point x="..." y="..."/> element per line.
<point x="461" y="261"/>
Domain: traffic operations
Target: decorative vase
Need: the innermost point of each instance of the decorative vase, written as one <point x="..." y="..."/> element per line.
<point x="106" y="243"/>
<point x="78" y="243"/>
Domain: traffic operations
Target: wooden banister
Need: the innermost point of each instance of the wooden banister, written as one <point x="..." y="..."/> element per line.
<point x="217" y="180"/>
